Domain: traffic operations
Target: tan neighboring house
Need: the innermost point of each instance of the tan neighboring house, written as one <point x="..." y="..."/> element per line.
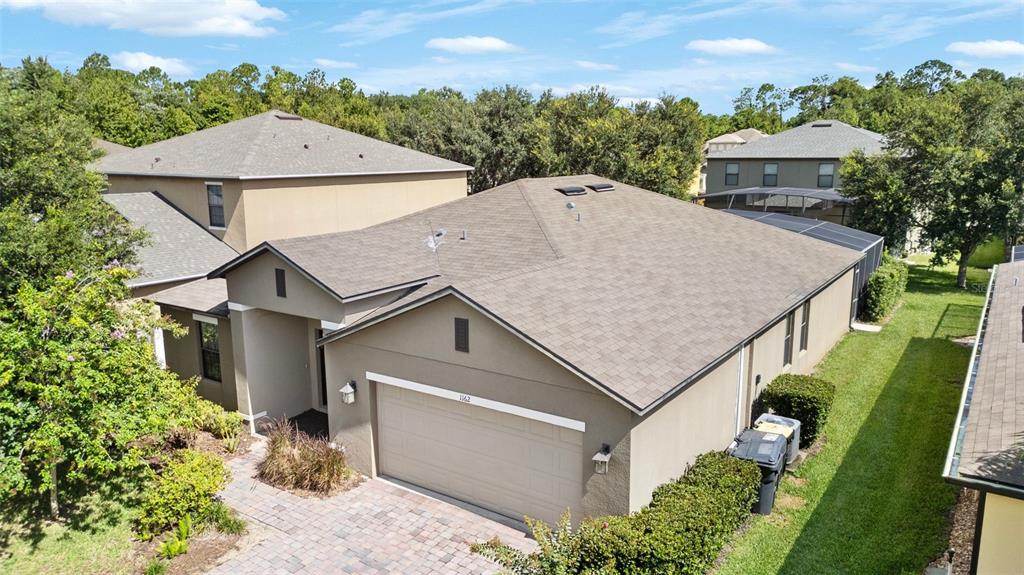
<point x="986" y="452"/>
<point x="719" y="144"/>
<point x="500" y="349"/>
<point x="794" y="172"/>
<point x="276" y="175"/>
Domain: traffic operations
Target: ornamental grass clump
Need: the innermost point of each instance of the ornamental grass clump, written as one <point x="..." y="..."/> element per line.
<point x="295" y="460"/>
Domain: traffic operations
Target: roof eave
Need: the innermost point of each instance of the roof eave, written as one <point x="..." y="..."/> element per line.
<point x="197" y="176"/>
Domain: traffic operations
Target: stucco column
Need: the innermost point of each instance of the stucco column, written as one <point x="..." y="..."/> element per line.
<point x="240" y="314"/>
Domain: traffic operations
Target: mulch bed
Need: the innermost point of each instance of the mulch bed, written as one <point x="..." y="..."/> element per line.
<point x="961" y="532"/>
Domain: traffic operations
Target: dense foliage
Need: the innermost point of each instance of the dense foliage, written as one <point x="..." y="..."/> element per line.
<point x="802" y="397"/>
<point x="183" y="491"/>
<point x="681" y="531"/>
<point x="885" y="288"/>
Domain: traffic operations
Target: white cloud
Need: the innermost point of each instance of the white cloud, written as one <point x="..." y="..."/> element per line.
<point x="856" y="68"/>
<point x="442" y="59"/>
<point x="588" y="65"/>
<point x="629" y="102"/>
<point x="161" y="18"/>
<point x="635" y="27"/>
<point x="702" y="61"/>
<point x="988" y="48"/>
<point x="333" y="64"/>
<point x="902" y="24"/>
<point x="732" y="46"/>
<point x="136" y="61"/>
<point x="472" y="45"/>
<point x="225" y="47"/>
<point x="373" y="25"/>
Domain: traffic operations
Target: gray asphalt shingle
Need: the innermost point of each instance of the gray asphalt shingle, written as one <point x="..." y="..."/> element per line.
<point x="819" y="139"/>
<point x="268" y="145"/>
<point x="177" y="248"/>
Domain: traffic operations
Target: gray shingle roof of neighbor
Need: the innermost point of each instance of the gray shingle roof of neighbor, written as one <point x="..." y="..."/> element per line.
<point x="109" y="148"/>
<point x="817" y="139"/>
<point x="992" y="435"/>
<point x="203" y="295"/>
<point x="178" y="248"/>
<point x="614" y="286"/>
<point x="272" y="145"/>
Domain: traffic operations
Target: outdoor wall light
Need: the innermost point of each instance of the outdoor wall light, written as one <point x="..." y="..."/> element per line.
<point x="348" y="393"/>
<point x="601" y="459"/>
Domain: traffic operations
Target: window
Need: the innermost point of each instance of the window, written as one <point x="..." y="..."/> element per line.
<point x="826" y="174"/>
<point x="279" y="280"/>
<point x="209" y="350"/>
<point x="215" y="201"/>
<point x="771" y="175"/>
<point x="787" y="344"/>
<point x="805" y="325"/>
<point x="462" y="334"/>
<point x="732" y="174"/>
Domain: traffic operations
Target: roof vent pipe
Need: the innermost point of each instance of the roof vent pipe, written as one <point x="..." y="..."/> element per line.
<point x="465" y="235"/>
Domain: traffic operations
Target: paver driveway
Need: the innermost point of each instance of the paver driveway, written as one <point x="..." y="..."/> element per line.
<point x="378" y="527"/>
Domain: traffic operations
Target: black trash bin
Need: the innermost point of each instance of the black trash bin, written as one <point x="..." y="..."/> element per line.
<point x="768" y="450"/>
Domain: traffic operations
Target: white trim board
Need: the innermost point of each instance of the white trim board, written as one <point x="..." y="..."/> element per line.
<point x="204" y="318"/>
<point x="516" y="410"/>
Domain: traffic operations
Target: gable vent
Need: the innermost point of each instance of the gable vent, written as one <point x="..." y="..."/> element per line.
<point x="602" y="187"/>
<point x="572" y="190"/>
<point x="821" y="125"/>
<point x="287" y="117"/>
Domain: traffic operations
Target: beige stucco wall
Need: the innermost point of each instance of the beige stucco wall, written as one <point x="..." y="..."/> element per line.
<point x="792" y="173"/>
<point x="254" y="284"/>
<point x="830" y="320"/>
<point x="260" y="210"/>
<point x="307" y="206"/>
<point x="272" y="366"/>
<point x="699" y="419"/>
<point x="189" y="196"/>
<point x="182" y="355"/>
<point x="1002" y="534"/>
<point x="419" y="346"/>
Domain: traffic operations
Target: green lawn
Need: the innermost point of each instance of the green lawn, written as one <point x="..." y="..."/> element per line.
<point x="95" y="538"/>
<point x="988" y="254"/>
<point x="872" y="500"/>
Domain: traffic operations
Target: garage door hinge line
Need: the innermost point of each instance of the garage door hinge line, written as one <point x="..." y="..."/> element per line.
<point x="516" y="410"/>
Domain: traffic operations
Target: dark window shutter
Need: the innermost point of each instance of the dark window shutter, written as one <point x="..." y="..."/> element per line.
<point x="462" y="334"/>
<point x="279" y="278"/>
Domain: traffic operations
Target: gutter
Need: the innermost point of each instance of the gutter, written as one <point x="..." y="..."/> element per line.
<point x="288" y="176"/>
<point x="148" y="283"/>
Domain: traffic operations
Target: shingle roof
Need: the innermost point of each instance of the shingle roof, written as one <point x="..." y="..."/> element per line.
<point x="109" y="148"/>
<point x="178" y="248"/>
<point x="992" y="445"/>
<point x="269" y="145"/>
<point x="612" y="286"/>
<point x="818" y="139"/>
<point x="210" y="296"/>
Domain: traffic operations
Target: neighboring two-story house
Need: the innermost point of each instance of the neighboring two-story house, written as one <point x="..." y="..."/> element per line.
<point x="276" y="175"/>
<point x="794" y="172"/>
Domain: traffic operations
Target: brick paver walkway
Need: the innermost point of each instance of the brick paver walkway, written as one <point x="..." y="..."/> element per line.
<point x="378" y="527"/>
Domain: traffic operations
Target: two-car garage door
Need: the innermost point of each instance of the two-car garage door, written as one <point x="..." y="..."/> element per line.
<point x="509" y="464"/>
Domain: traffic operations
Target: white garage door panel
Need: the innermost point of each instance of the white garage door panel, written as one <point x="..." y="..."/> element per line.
<point x="509" y="464"/>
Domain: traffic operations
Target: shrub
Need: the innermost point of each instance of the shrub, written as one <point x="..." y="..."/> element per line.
<point x="297" y="461"/>
<point x="681" y="531"/>
<point x="225" y="519"/>
<point x="177" y="543"/>
<point x="185" y="487"/>
<point x="222" y="424"/>
<point x="156" y="567"/>
<point x="885" y="288"/>
<point x="802" y="397"/>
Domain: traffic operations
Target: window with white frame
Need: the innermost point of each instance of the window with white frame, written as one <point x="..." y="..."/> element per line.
<point x="209" y="350"/>
<point x="826" y="175"/>
<point x="215" y="201"/>
<point x="805" y="325"/>
<point x="787" y="343"/>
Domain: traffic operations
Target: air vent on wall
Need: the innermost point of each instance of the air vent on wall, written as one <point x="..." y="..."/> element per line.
<point x="572" y="190"/>
<point x="602" y="187"/>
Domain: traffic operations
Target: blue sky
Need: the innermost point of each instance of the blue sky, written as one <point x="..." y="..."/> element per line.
<point x="707" y="50"/>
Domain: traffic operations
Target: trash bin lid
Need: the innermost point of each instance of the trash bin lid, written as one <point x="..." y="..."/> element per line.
<point x="772" y="418"/>
<point x="782" y="430"/>
<point x="767" y="449"/>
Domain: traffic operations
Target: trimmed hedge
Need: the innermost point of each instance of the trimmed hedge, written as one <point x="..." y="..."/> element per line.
<point x="802" y="397"/>
<point x="885" y="288"/>
<point x="681" y="531"/>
